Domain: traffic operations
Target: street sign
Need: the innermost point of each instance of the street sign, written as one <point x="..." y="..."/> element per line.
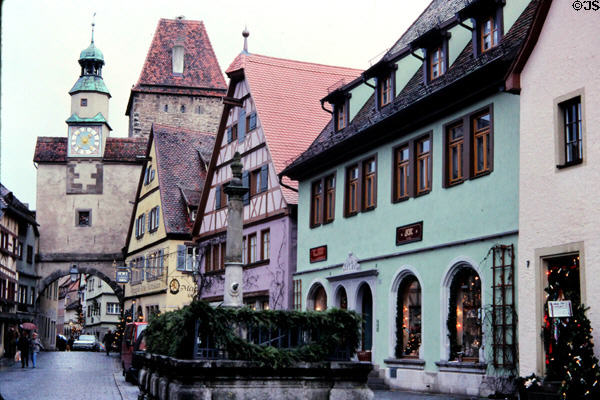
<point x="123" y="275"/>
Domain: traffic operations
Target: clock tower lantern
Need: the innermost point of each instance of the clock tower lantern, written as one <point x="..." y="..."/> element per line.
<point x="88" y="123"/>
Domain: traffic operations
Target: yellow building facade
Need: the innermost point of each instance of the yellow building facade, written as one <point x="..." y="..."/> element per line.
<point x="159" y="255"/>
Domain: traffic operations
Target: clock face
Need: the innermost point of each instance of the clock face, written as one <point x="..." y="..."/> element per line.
<point x="85" y="141"/>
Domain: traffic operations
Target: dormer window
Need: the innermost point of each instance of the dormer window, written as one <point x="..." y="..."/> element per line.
<point x="177" y="57"/>
<point x="487" y="21"/>
<point x="437" y="62"/>
<point x="385" y="88"/>
<point x="341" y="116"/>
<point x="489" y="34"/>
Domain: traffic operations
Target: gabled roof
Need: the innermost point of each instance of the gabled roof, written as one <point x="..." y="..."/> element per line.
<point x="180" y="167"/>
<point x="417" y="100"/>
<point x="287" y="96"/>
<point x="201" y="73"/>
<point x="9" y="203"/>
<point x="127" y="150"/>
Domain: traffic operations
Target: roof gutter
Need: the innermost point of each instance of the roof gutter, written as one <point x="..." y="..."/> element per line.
<point x="284" y="185"/>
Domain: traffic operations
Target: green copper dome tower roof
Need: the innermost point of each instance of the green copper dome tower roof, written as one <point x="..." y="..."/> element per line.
<point x="91" y="60"/>
<point x="91" y="53"/>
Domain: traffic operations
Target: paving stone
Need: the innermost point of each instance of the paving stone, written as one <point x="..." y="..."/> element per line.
<point x="66" y="376"/>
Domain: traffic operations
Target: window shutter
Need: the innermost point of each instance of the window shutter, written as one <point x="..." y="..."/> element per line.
<point x="264" y="177"/>
<point x="162" y="258"/>
<point x="241" y="126"/>
<point x="229" y="135"/>
<point x="217" y="197"/>
<point x="157" y="217"/>
<point x="252" y="122"/>
<point x="150" y="220"/>
<point x="246" y="184"/>
<point x="180" y="257"/>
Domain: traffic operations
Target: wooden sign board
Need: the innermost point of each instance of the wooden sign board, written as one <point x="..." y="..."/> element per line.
<point x="560" y="309"/>
<point x="409" y="233"/>
<point x="318" y="254"/>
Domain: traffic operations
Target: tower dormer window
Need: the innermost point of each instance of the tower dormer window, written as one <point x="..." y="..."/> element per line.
<point x="177" y="57"/>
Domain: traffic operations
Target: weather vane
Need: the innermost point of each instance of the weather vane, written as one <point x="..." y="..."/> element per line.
<point x="93" y="25"/>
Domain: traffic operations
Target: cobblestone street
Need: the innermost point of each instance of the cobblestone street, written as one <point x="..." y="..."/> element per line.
<point x="66" y="376"/>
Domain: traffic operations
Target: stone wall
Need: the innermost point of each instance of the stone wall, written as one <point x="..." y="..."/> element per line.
<point x="166" y="378"/>
<point x="198" y="112"/>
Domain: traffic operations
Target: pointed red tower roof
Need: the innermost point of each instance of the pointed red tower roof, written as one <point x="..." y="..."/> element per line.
<point x="200" y="75"/>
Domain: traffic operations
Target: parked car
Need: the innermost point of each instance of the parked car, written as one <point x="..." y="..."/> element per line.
<point x="132" y="333"/>
<point x="86" y="342"/>
<point x="61" y="342"/>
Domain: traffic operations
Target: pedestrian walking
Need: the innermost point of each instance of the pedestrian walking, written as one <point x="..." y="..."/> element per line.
<point x="70" y="343"/>
<point x="36" y="346"/>
<point x="23" y="345"/>
<point x="108" y="340"/>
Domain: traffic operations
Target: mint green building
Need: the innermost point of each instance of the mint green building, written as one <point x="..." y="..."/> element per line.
<point x="408" y="201"/>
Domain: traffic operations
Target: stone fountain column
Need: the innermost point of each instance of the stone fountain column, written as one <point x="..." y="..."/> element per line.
<point x="235" y="191"/>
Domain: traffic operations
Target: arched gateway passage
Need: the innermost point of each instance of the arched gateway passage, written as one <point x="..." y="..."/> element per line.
<point x="59" y="273"/>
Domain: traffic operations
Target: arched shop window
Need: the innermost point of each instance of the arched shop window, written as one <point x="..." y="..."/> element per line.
<point x="408" y="318"/>
<point x="320" y="298"/>
<point x="464" y="315"/>
<point x="342" y="298"/>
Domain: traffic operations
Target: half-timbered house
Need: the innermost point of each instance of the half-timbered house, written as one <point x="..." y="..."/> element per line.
<point x="271" y="114"/>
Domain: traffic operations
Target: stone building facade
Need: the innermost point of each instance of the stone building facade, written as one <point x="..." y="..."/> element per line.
<point x="86" y="181"/>
<point x="181" y="84"/>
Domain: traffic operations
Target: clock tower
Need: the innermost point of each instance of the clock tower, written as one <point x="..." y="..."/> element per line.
<point x="88" y="123"/>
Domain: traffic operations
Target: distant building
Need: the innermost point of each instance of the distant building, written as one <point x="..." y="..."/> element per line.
<point x="272" y="113"/>
<point x="47" y="317"/>
<point x="161" y="264"/>
<point x="181" y="83"/>
<point x="103" y="310"/>
<point x="18" y="247"/>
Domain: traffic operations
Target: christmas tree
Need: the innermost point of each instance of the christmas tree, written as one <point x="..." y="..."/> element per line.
<point x="569" y="343"/>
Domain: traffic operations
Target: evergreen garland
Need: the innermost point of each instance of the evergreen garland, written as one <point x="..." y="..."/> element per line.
<point x="452" y="318"/>
<point x="399" y="350"/>
<point x="172" y="333"/>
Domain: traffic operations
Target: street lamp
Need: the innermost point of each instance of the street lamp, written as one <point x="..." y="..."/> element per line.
<point x="74" y="272"/>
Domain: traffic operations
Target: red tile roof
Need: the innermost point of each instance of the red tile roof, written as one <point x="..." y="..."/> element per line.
<point x="54" y="150"/>
<point x="181" y="159"/>
<point x="201" y="73"/>
<point x="287" y="95"/>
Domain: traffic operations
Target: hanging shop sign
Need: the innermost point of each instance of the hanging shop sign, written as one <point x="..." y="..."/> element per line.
<point x="122" y="275"/>
<point x="174" y="286"/>
<point x="318" y="254"/>
<point x="409" y="233"/>
<point x="560" y="309"/>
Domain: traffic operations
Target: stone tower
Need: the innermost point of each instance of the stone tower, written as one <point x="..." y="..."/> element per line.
<point x="86" y="181"/>
<point x="181" y="83"/>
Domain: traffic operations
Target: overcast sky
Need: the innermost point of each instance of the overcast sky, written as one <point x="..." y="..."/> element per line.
<point x="41" y="42"/>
